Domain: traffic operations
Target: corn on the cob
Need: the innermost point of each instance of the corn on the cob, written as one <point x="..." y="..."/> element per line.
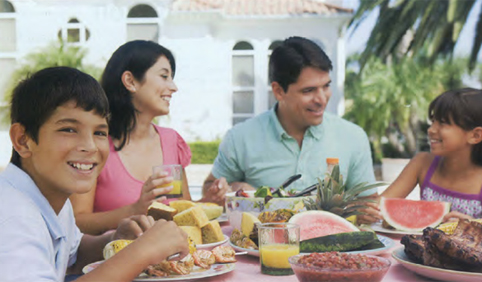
<point x="449" y="227"/>
<point x="114" y="247"/>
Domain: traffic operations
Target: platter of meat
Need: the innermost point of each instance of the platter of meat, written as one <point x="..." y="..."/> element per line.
<point x="455" y="257"/>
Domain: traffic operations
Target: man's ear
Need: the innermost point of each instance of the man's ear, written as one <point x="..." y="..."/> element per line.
<point x="476" y="136"/>
<point x="278" y="91"/>
<point x="128" y="80"/>
<point x="19" y="139"/>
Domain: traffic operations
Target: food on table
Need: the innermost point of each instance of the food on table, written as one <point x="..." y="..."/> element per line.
<point x="339" y="242"/>
<point x="449" y="227"/>
<point x="460" y="251"/>
<point x="320" y="223"/>
<point x="160" y="211"/>
<point x="241" y="240"/>
<point x="263" y="191"/>
<point x="211" y="232"/>
<point x="194" y="216"/>
<point x="114" y="247"/>
<point x="224" y="254"/>
<point x="204" y="258"/>
<point x="201" y="258"/>
<point x="212" y="210"/>
<point x="281" y="215"/>
<point x="249" y="224"/>
<point x="333" y="196"/>
<point x="335" y="266"/>
<point x="412" y="216"/>
<point x="194" y="233"/>
<point x="181" y="205"/>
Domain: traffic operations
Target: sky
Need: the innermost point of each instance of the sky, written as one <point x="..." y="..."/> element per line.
<point x="356" y="41"/>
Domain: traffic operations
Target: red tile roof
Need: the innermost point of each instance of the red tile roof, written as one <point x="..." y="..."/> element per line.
<point x="258" y="7"/>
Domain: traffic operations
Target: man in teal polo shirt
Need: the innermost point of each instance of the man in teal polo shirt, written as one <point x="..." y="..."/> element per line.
<point x="296" y="135"/>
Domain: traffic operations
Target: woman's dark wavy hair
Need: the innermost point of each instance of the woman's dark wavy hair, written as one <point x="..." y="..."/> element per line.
<point x="36" y="98"/>
<point x="292" y="56"/>
<point x="137" y="57"/>
<point x="462" y="107"/>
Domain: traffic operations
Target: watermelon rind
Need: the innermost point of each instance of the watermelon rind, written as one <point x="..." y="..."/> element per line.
<point x="409" y="226"/>
<point x="321" y="223"/>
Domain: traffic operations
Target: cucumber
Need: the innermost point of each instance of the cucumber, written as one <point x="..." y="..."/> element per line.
<point x="340" y="242"/>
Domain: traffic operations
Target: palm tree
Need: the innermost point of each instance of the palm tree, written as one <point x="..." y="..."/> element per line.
<point x="390" y="100"/>
<point x="437" y="23"/>
<point x="55" y="54"/>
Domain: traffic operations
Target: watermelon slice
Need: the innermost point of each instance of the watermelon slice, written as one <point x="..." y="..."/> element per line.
<point x="412" y="216"/>
<point x="315" y="224"/>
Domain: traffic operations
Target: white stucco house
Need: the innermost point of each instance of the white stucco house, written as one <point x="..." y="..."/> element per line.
<point x="221" y="47"/>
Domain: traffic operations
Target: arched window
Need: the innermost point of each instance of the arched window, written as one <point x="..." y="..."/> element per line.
<point x="243" y="81"/>
<point x="74" y="32"/>
<point x="142" y="23"/>
<point x="271" y="98"/>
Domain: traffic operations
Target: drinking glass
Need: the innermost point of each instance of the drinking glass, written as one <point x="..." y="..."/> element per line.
<point x="278" y="242"/>
<point x="175" y="171"/>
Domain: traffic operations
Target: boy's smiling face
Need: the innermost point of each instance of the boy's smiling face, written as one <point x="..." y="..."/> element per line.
<point x="71" y="151"/>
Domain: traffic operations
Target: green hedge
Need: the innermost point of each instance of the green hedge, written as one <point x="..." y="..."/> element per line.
<point x="204" y="152"/>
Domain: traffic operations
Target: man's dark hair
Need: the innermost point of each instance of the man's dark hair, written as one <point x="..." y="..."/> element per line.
<point x="35" y="99"/>
<point x="292" y="56"/>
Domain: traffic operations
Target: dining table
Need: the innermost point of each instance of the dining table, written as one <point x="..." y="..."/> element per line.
<point x="247" y="267"/>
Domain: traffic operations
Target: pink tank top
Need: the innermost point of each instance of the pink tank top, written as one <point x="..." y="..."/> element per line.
<point x="116" y="187"/>
<point x="470" y="204"/>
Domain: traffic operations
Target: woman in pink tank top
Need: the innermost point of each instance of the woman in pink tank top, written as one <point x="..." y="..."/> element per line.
<point x="452" y="171"/>
<point x="138" y="81"/>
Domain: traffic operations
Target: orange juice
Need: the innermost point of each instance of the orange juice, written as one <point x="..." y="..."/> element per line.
<point x="276" y="255"/>
<point x="177" y="187"/>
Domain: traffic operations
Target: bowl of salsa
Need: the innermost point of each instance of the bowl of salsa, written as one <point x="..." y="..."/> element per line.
<point x="336" y="266"/>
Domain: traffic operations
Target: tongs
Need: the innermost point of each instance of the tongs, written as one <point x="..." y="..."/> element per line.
<point x="307" y="190"/>
<point x="285" y="184"/>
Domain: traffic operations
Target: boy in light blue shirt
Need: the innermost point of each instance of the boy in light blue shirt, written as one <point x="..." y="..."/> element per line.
<point x="296" y="136"/>
<point x="59" y="135"/>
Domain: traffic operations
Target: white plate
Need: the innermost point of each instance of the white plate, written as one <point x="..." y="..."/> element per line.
<point x="379" y="228"/>
<point x="387" y="242"/>
<point x="197" y="272"/>
<point x="434" y="272"/>
<point x="212" y="245"/>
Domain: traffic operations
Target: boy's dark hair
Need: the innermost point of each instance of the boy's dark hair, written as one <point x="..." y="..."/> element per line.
<point x="463" y="107"/>
<point x="295" y="53"/>
<point x="36" y="98"/>
<point x="137" y="57"/>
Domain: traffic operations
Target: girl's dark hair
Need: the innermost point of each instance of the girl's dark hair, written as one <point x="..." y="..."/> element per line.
<point x="137" y="57"/>
<point x="464" y="108"/>
<point x="292" y="56"/>
<point x="36" y="98"/>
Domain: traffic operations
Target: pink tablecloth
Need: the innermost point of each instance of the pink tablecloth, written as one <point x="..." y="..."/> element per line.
<point x="248" y="270"/>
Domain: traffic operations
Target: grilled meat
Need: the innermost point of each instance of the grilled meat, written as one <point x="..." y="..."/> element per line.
<point x="460" y="251"/>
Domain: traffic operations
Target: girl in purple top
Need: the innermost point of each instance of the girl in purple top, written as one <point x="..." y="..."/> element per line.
<point x="452" y="171"/>
<point x="138" y="82"/>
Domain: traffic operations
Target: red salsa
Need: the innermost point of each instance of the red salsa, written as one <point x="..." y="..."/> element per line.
<point x="339" y="261"/>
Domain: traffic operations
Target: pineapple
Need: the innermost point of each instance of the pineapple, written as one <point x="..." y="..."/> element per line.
<point x="332" y="195"/>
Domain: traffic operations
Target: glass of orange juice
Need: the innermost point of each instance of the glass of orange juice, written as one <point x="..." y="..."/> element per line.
<point x="278" y="242"/>
<point x="175" y="171"/>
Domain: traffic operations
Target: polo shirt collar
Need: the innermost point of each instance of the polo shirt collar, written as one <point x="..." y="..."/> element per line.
<point x="314" y="131"/>
<point x="21" y="181"/>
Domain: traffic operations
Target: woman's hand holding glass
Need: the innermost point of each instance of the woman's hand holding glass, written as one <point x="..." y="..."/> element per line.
<point x="151" y="191"/>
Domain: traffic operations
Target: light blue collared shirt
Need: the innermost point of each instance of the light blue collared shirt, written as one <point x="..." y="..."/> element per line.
<point x="260" y="152"/>
<point x="36" y="244"/>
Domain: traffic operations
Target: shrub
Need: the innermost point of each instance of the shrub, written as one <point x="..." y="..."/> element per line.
<point x="204" y="152"/>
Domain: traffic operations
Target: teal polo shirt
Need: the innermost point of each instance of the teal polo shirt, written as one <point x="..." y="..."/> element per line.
<point x="260" y="152"/>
